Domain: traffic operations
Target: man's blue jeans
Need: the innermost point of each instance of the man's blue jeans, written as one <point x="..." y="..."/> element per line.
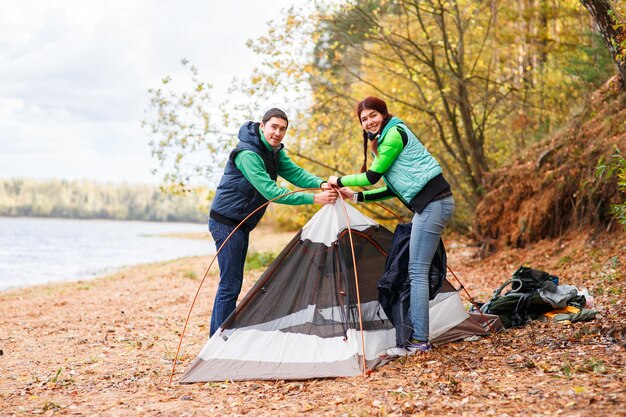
<point x="425" y="234"/>
<point x="231" y="260"/>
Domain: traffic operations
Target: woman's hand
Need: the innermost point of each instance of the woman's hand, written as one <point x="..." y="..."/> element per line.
<point x="333" y="181"/>
<point x="326" y="197"/>
<point x="346" y="193"/>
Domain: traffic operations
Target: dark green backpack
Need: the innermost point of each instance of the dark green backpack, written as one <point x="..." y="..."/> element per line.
<point x="526" y="280"/>
<point x="522" y="302"/>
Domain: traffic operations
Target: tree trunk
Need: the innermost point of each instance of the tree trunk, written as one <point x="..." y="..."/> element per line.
<point x="599" y="10"/>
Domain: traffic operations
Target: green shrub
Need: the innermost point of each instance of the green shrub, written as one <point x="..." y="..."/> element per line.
<point x="616" y="166"/>
<point x="258" y="260"/>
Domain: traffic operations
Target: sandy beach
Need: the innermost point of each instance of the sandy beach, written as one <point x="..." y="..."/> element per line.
<point x="105" y="347"/>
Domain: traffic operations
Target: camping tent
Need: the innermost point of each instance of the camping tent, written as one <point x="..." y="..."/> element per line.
<point x="304" y="318"/>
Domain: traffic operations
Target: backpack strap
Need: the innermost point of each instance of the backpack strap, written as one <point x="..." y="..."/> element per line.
<point x="496" y="294"/>
<point x="517" y="285"/>
<point x="519" y="316"/>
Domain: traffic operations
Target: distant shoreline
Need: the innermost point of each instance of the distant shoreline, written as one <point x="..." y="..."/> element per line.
<point x="6" y="216"/>
<point x="88" y="199"/>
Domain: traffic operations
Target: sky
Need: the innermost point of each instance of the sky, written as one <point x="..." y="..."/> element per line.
<point x="74" y="76"/>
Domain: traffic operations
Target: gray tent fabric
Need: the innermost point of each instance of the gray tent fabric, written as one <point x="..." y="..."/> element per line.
<point x="474" y="325"/>
<point x="301" y="319"/>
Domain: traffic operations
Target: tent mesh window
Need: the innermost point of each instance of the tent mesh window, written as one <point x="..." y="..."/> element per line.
<point x="310" y="287"/>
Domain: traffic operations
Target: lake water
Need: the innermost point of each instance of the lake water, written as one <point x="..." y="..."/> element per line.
<point x="36" y="251"/>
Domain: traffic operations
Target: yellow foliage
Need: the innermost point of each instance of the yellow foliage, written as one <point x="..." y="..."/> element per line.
<point x="476" y="81"/>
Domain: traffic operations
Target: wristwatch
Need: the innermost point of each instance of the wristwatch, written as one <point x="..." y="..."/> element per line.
<point x="355" y="197"/>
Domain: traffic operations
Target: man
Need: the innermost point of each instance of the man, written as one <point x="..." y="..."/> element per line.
<point x="248" y="182"/>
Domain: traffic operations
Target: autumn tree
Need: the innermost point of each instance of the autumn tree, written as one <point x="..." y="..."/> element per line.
<point x="477" y="81"/>
<point x="466" y="76"/>
<point x="612" y="27"/>
<point x="432" y="68"/>
<point x="185" y="144"/>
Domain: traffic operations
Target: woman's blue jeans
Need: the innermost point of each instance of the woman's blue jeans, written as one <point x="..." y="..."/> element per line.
<point x="425" y="234"/>
<point x="231" y="260"/>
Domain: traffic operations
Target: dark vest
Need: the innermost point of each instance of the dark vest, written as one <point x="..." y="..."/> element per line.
<point x="235" y="197"/>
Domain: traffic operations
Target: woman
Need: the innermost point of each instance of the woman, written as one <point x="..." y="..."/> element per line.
<point x="414" y="176"/>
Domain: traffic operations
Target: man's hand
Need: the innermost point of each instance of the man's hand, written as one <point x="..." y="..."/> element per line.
<point x="325" y="186"/>
<point x="326" y="197"/>
<point x="332" y="181"/>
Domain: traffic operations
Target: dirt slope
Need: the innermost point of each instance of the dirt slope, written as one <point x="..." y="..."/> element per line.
<point x="552" y="187"/>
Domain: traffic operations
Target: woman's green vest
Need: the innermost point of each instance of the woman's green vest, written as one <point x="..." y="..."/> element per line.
<point x="413" y="167"/>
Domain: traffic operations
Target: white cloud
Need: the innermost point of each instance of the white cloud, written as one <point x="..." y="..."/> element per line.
<point x="74" y="75"/>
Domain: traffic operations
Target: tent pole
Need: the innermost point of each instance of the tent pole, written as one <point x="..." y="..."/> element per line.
<point x="193" y="302"/>
<point x="389" y="211"/>
<point x="471" y="299"/>
<point x="356" y="282"/>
